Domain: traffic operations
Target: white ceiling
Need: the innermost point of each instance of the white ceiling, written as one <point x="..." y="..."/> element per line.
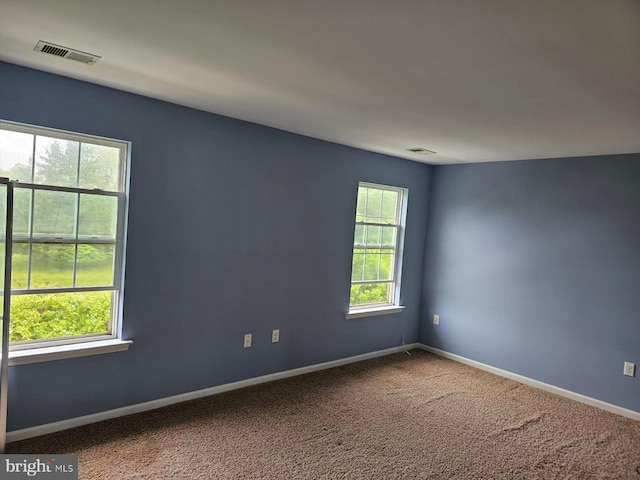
<point x="474" y="80"/>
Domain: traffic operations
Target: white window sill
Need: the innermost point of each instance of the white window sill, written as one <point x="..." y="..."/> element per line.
<point x="371" y="311"/>
<point x="60" y="352"/>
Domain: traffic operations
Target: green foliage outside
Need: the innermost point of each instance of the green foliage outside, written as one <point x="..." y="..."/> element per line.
<point x="57" y="315"/>
<point x="368" y="293"/>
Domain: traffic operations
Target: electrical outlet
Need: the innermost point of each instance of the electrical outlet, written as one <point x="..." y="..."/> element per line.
<point x="275" y="336"/>
<point x="436" y="319"/>
<point x="630" y="369"/>
<point x="247" y="340"/>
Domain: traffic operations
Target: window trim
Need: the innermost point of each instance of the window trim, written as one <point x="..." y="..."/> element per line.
<point x="373" y="311"/>
<point x="380" y="308"/>
<point x="68" y="350"/>
<point x="90" y="344"/>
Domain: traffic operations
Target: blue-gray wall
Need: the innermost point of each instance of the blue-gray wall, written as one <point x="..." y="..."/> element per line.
<point x="534" y="267"/>
<point x="233" y="228"/>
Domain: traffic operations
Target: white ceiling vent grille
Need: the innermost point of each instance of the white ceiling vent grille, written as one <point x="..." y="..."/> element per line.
<point x="66" y="52"/>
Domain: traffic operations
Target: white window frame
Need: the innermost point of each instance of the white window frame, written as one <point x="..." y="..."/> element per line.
<point x="392" y="305"/>
<point x="31" y="351"/>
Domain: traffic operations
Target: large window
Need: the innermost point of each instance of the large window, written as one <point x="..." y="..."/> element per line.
<point x="377" y="246"/>
<point x="68" y="234"/>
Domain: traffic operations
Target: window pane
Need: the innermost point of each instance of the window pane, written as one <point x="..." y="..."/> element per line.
<point x="357" y="268"/>
<point x="358" y="238"/>
<point x="389" y="236"/>
<point x="21" y="210"/>
<point x="35" y="317"/>
<point x="52" y="265"/>
<point x="99" y="167"/>
<point x="19" y="265"/>
<point x="374" y="203"/>
<point x="56" y="162"/>
<point x="97" y="215"/>
<point x="3" y="213"/>
<point x="362" y="204"/>
<point x="54" y="212"/>
<point x="95" y="265"/>
<point x="373" y="235"/>
<point x="3" y="245"/>
<point x="386" y="266"/>
<point x="371" y="262"/>
<point x="389" y="206"/>
<point x="369" y="293"/>
<point x="16" y="151"/>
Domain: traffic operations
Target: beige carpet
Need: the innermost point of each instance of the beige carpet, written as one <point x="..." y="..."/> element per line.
<point x="417" y="417"/>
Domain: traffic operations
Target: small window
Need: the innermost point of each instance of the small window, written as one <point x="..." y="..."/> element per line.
<point x="377" y="246"/>
<point x="68" y="234"/>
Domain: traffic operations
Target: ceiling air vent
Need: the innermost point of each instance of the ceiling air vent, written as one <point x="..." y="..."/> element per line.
<point x="421" y="151"/>
<point x="66" y="52"/>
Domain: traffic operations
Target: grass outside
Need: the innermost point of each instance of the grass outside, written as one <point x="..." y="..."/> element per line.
<point x="90" y="277"/>
<point x="54" y="315"/>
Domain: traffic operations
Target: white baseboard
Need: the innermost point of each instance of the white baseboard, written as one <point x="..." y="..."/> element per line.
<point x="38" y="430"/>
<point x="609" y="407"/>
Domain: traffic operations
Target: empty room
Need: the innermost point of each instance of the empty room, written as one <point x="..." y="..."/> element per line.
<point x="299" y="239"/>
